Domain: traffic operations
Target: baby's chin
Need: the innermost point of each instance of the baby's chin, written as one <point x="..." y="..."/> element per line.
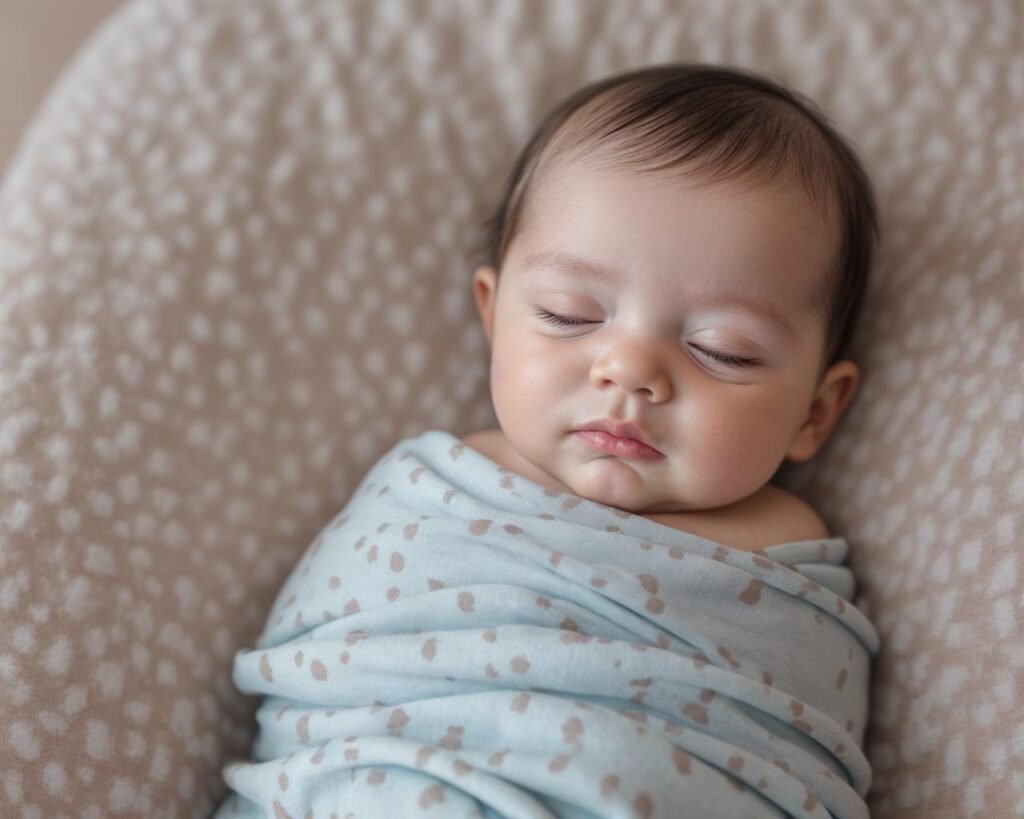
<point x="615" y="483"/>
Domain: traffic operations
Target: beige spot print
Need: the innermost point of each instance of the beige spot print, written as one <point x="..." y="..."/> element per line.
<point x="352" y="606"/>
<point x="397" y="721"/>
<point x="649" y="583"/>
<point x="496" y="758"/>
<point x="461" y="768"/>
<point x="752" y="594"/>
<point x="841" y="679"/>
<point x="811" y="801"/>
<point x="302" y="727"/>
<point x="383" y="490"/>
<point x="431" y="796"/>
<point x="546" y="516"/>
<point x="371" y="555"/>
<point x="448" y="495"/>
<point x="415" y="474"/>
<point x="397" y="562"/>
<point x="318" y="670"/>
<point x="700" y="661"/>
<point x="676" y="553"/>
<point x="840" y="605"/>
<point x="706" y="695"/>
<point x="506" y="483"/>
<point x="351" y="754"/>
<point x="512" y="529"/>
<point x="571" y="503"/>
<point x="796" y="707"/>
<point x="375" y="777"/>
<point x="802" y="726"/>
<point x="655" y="605"/>
<point x="341" y="521"/>
<point x="682" y="760"/>
<point x="358" y="545"/>
<point x="382" y="527"/>
<point x="556" y="558"/>
<point x="282" y="781"/>
<point x="429" y="649"/>
<point x="571" y="729"/>
<point x="334" y="582"/>
<point x="265" y="670"/>
<point x="466" y="601"/>
<point x="568" y="624"/>
<point x="643" y="805"/>
<point x="318" y="757"/>
<point x="696" y="713"/>
<point x="735" y="763"/>
<point x="558" y="763"/>
<point x="280" y="812"/>
<point x="819" y="619"/>
<point x="766" y="678"/>
<point x="611" y="528"/>
<point x="490" y="635"/>
<point x="642" y="682"/>
<point x="763" y="562"/>
<point x="410" y="531"/>
<point x="598" y="582"/>
<point x="645" y="546"/>
<point x="393" y="593"/>
<point x="479" y="527"/>
<point x="434" y="585"/>
<point x="452" y="741"/>
<point x="519" y="703"/>
<point x="344" y="657"/>
<point x="543" y="602"/>
<point x="354" y="637"/>
<point x="608" y="785"/>
<point x="456" y="451"/>
<point x="423" y="755"/>
<point x="289" y="602"/>
<point x="727" y="656"/>
<point x="298" y="659"/>
<point x="520" y="664"/>
<point x="491" y="671"/>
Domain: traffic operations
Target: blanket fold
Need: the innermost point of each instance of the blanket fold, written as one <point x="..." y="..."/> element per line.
<point x="461" y="641"/>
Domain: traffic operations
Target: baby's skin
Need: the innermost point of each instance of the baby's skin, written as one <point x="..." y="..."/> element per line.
<point x="685" y="308"/>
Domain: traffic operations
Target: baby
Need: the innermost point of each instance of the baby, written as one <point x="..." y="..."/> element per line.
<point x="547" y="619"/>
<point x="674" y="272"/>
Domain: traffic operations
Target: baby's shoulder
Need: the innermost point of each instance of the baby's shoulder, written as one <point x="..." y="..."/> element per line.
<point x="788" y="518"/>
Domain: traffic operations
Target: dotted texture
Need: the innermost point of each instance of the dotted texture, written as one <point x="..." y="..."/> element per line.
<point x="234" y="270"/>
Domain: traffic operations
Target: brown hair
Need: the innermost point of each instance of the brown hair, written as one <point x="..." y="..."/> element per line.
<point x="724" y="123"/>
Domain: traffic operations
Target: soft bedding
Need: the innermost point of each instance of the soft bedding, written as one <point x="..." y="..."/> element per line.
<point x="461" y="641"/>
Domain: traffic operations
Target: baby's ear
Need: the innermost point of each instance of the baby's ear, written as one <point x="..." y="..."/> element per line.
<point x="834" y="394"/>
<point x="485" y="288"/>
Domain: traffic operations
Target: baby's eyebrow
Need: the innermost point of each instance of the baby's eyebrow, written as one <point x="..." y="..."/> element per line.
<point x="577" y="266"/>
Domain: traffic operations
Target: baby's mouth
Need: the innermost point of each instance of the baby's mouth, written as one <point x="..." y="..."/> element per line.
<point x="621" y="447"/>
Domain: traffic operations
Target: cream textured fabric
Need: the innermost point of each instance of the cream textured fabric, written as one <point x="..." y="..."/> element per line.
<point x="234" y="270"/>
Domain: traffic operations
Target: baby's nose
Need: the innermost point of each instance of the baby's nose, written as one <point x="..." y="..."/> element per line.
<point x="634" y="367"/>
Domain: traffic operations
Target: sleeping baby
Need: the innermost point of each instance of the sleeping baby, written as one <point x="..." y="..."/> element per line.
<point x="603" y="607"/>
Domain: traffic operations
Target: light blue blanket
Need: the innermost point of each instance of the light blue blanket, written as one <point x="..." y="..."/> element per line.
<point x="460" y="641"/>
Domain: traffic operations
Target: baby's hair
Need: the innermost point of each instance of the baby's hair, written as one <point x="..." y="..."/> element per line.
<point x="719" y="123"/>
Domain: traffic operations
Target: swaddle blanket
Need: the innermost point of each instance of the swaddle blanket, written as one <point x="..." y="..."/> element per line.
<point x="461" y="641"/>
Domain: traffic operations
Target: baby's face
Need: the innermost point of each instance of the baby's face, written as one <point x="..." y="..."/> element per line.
<point x="682" y="261"/>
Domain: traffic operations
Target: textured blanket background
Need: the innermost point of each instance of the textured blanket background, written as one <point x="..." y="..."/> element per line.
<point x="234" y="269"/>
